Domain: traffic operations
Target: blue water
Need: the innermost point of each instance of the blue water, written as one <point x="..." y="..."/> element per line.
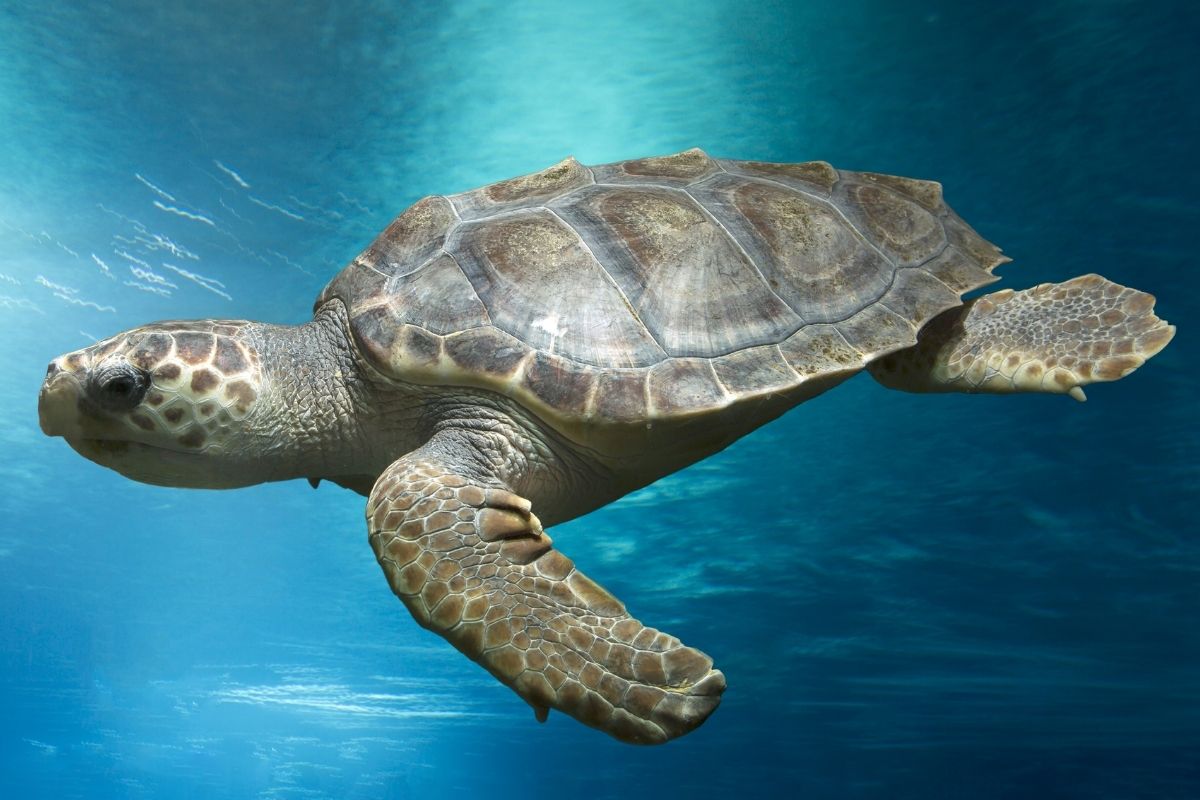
<point x="911" y="596"/>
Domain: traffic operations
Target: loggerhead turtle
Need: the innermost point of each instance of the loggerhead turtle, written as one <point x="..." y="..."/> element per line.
<point x="549" y="343"/>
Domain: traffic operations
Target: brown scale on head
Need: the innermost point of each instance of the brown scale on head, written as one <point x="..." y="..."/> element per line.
<point x="180" y="386"/>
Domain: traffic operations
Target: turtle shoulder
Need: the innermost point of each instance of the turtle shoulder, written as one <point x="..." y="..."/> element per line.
<point x="659" y="289"/>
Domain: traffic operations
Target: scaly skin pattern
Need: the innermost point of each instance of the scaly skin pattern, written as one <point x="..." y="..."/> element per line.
<point x="205" y="379"/>
<point x="1055" y="337"/>
<point x="553" y="342"/>
<point x="471" y="562"/>
<point x="182" y="390"/>
<point x="223" y="403"/>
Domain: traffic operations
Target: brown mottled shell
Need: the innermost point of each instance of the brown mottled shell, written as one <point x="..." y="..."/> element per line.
<point x="659" y="288"/>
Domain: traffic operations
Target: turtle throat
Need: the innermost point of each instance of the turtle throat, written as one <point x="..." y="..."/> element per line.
<point x="321" y="418"/>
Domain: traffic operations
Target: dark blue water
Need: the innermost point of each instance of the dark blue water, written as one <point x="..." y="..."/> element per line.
<point x="911" y="596"/>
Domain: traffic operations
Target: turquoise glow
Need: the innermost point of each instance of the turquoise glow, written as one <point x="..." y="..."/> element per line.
<point x="948" y="596"/>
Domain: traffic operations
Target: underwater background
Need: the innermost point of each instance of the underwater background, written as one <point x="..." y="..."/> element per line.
<point x="911" y="596"/>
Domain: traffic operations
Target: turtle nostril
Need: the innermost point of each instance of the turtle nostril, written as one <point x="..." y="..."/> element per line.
<point x="53" y="369"/>
<point x="57" y="406"/>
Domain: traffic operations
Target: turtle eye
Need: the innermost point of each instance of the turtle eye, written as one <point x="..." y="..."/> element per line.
<point x="119" y="386"/>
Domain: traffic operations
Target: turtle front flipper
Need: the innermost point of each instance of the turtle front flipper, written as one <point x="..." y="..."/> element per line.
<point x="1056" y="337"/>
<point x="472" y="564"/>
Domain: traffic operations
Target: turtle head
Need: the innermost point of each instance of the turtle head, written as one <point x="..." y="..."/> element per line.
<point x="167" y="403"/>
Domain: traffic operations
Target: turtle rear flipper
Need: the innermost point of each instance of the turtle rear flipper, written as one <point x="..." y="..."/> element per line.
<point x="471" y="562"/>
<point x="1055" y="337"/>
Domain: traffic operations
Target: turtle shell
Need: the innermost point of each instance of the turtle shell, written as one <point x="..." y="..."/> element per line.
<point x="658" y="288"/>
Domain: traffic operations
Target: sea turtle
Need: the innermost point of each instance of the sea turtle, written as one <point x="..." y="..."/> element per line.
<point x="515" y="356"/>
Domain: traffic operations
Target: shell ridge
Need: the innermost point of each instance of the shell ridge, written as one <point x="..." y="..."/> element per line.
<point x="616" y="251"/>
<point x="745" y="254"/>
<point x="453" y="208"/>
<point x="564" y="198"/>
<point x="486" y="313"/>
<point x="950" y="247"/>
<point x="591" y="175"/>
<point x="837" y="210"/>
<point x="783" y="323"/>
<point x="573" y="283"/>
<point x="651" y="406"/>
<point x="761" y="371"/>
<point x="398" y="274"/>
<point x="935" y="276"/>
<point x="661" y="187"/>
<point x="493" y="199"/>
<point x="454" y="200"/>
<point x="727" y="397"/>
<point x="604" y="271"/>
<point x="858" y="235"/>
<point x="920" y="264"/>
<point x="842" y="336"/>
<point x="787" y="188"/>
<point x="362" y="262"/>
<point x="877" y="300"/>
<point x="883" y="304"/>
<point x="779" y="352"/>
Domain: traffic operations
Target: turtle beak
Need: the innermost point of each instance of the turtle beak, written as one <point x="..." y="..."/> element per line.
<point x="58" y="402"/>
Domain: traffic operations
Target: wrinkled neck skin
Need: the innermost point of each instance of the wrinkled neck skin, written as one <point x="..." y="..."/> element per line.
<point x="325" y="413"/>
<point x="329" y="415"/>
<point x="219" y="404"/>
